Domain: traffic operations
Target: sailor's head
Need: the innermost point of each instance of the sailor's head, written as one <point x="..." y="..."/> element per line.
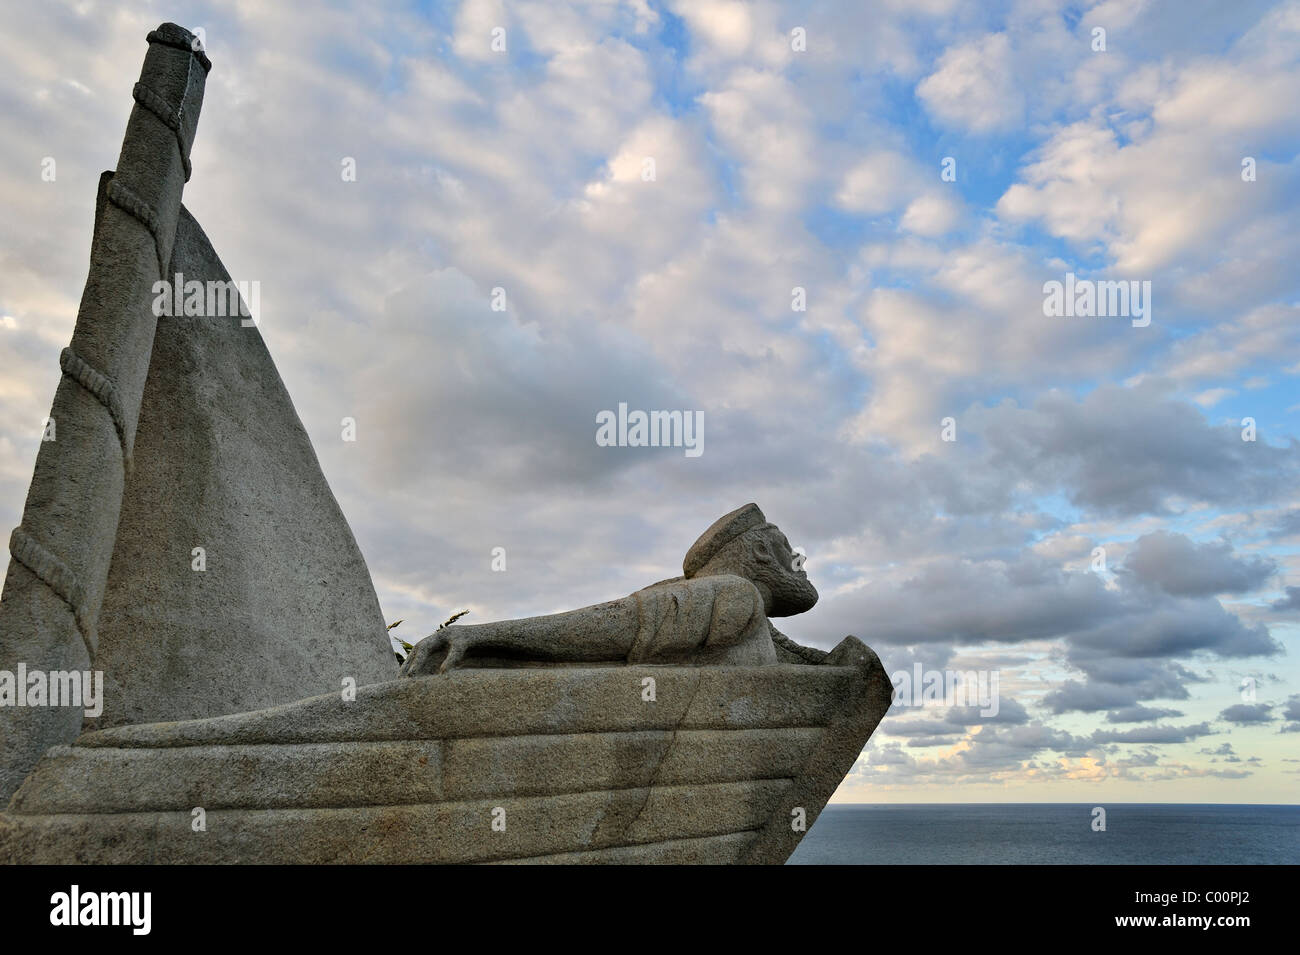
<point x="745" y="544"/>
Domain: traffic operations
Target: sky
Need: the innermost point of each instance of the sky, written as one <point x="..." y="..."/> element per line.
<point x="631" y="202"/>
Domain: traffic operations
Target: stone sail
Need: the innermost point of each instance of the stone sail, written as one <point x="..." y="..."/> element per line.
<point x="284" y="607"/>
<point x="171" y="435"/>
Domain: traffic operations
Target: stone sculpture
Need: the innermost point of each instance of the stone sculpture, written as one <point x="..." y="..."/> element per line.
<point x="741" y="571"/>
<point x="256" y="687"/>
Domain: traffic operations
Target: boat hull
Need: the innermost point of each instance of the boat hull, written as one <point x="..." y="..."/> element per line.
<point x="560" y="765"/>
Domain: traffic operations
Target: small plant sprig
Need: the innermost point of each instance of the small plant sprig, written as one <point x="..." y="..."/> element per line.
<point x="452" y="619"/>
<point x="406" y="647"/>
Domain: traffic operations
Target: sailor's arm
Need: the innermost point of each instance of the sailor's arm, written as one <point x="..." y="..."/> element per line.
<point x="718" y="619"/>
<point x="704" y="620"/>
<point x="601" y="633"/>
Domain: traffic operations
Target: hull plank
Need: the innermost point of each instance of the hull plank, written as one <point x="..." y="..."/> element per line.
<point x="705" y="850"/>
<point x="539" y="701"/>
<point x="453" y="832"/>
<point x="333" y="775"/>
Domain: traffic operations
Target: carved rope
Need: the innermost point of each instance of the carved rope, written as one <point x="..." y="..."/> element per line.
<point x="56" y="575"/>
<point x="178" y="44"/>
<point x="169" y="117"/>
<point x="134" y="206"/>
<point x="105" y="392"/>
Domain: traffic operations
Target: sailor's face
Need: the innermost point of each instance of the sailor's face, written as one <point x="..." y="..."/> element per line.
<point x="785" y="555"/>
<point x="785" y="577"/>
<point x="793" y="558"/>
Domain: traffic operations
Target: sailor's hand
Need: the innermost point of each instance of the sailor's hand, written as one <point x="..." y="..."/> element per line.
<point x="456" y="646"/>
<point x="437" y="653"/>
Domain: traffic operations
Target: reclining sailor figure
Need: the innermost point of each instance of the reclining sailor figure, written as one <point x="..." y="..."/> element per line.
<point x="739" y="573"/>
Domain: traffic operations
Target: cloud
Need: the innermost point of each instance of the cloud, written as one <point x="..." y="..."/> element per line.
<point x="1009" y="712"/>
<point x="1245" y="714"/>
<point x="726" y="26"/>
<point x="1290" y="602"/>
<point x="1153" y="735"/>
<point x="1102" y="181"/>
<point x="930" y="215"/>
<point x="973" y="86"/>
<point x="1288" y="524"/>
<point x="1208" y="399"/>
<point x="1141" y="714"/>
<point x="1177" y="565"/>
<point x="475" y="21"/>
<point x="1261" y="337"/>
<point x="1291" y="710"/>
<point x="1126" y="451"/>
<point x="1114" y="685"/>
<point x="881" y="182"/>
<point x="994" y="750"/>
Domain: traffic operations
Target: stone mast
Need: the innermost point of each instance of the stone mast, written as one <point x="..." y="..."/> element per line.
<point x="175" y="436"/>
<point x="62" y="549"/>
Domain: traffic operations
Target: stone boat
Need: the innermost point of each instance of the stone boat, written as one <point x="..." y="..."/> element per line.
<point x="729" y="764"/>
<point x="180" y="544"/>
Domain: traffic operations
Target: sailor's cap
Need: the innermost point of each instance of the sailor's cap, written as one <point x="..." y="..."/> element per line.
<point x="721" y="533"/>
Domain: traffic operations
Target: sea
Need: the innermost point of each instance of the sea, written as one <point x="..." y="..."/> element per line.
<point x="1051" y="834"/>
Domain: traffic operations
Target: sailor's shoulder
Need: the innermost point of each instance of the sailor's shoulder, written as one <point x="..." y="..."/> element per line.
<point x="714" y="583"/>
